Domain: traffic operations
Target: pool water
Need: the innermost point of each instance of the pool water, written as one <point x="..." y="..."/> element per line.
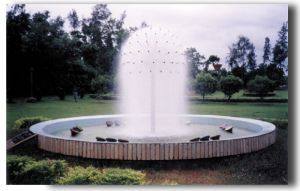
<point x="185" y="134"/>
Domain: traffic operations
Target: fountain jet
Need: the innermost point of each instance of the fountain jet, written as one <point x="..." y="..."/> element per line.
<point x="152" y="90"/>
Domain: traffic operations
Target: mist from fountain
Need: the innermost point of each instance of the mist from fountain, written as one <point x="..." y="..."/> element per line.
<point x="152" y="83"/>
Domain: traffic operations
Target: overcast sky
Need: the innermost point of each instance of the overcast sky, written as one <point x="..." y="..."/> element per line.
<point x="210" y="28"/>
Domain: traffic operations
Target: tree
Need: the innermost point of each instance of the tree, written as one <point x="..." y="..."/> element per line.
<point x="73" y="19"/>
<point x="240" y="71"/>
<point x="205" y="84"/>
<point x="60" y="59"/>
<point x="213" y="59"/>
<point x="261" y="85"/>
<point x="75" y="24"/>
<point x="102" y="84"/>
<point x="276" y="74"/>
<point x="267" y="51"/>
<point x="17" y="25"/>
<point x="45" y="49"/>
<point x="251" y="59"/>
<point x="103" y="37"/>
<point x="262" y="68"/>
<point x="194" y="60"/>
<point x="230" y="85"/>
<point x="242" y="54"/>
<point x="280" y="50"/>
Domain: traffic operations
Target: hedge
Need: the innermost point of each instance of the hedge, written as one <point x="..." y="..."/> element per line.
<point x="110" y="176"/>
<point x="25" y="170"/>
<point x="26" y="122"/>
<point x="116" y="176"/>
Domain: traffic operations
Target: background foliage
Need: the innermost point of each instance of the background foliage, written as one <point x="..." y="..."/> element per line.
<point x="45" y="59"/>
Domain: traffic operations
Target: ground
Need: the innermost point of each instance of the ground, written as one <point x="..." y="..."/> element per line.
<point x="260" y="167"/>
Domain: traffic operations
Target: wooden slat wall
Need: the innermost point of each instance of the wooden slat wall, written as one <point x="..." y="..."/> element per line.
<point x="155" y="151"/>
<point x="139" y="151"/>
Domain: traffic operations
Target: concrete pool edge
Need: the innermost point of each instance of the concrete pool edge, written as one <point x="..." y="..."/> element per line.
<point x="155" y="151"/>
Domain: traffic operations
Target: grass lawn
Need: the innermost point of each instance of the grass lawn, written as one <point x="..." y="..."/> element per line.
<point x="279" y="94"/>
<point x="252" y="110"/>
<point x="53" y="108"/>
<point x="255" y="168"/>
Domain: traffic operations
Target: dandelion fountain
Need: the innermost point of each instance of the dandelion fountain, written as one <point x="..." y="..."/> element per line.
<point x="153" y="124"/>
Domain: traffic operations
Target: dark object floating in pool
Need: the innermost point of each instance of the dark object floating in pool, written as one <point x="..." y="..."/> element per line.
<point x="117" y="123"/>
<point x="77" y="128"/>
<point x="228" y="129"/>
<point x="100" y="139"/>
<point x="74" y="132"/>
<point x="224" y="126"/>
<point x="195" y="139"/>
<point x="217" y="137"/>
<point x="206" y="138"/>
<point x="111" y="140"/>
<point x="123" y="141"/>
<point x="109" y="123"/>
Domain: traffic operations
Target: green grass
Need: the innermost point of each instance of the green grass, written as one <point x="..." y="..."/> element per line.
<point x="53" y="108"/>
<point x="251" y="110"/>
<point x="279" y="94"/>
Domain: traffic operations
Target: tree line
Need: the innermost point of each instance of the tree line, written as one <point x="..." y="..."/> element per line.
<point x="244" y="72"/>
<point x="45" y="59"/>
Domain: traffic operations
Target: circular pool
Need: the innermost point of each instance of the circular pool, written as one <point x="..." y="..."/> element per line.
<point x="247" y="135"/>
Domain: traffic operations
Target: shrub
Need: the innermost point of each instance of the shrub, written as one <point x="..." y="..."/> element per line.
<point x="261" y="85"/>
<point x="118" y="176"/>
<point x="25" y="170"/>
<point x="26" y="122"/>
<point x="111" y="176"/>
<point x="205" y="84"/>
<point x="276" y="74"/>
<point x="230" y="85"/>
<point x="15" y="167"/>
<point x="96" y="96"/>
<point x="80" y="175"/>
<point x="241" y="72"/>
<point x="102" y="84"/>
<point x="43" y="172"/>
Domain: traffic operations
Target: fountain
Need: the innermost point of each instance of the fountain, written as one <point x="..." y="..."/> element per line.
<point x="152" y="76"/>
<point x="153" y="124"/>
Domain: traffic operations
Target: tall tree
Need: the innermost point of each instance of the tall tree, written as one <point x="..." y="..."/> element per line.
<point x="195" y="60"/>
<point x="251" y="57"/>
<point x="267" y="51"/>
<point x="103" y="36"/>
<point x="17" y="25"/>
<point x="75" y="24"/>
<point x="44" y="51"/>
<point x="280" y="50"/>
<point x="74" y="20"/>
<point x="242" y="54"/>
